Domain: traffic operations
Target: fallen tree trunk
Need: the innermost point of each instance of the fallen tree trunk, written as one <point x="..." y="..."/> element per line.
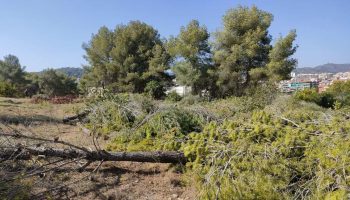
<point x="25" y="153"/>
<point x="77" y="116"/>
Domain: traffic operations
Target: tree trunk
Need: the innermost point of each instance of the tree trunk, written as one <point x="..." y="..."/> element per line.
<point x="154" y="157"/>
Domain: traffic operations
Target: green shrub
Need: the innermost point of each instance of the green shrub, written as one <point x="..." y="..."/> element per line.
<point x="173" y="97"/>
<point x="340" y="90"/>
<point x="53" y="83"/>
<point x="155" y="89"/>
<point x="8" y="90"/>
<point x="309" y="95"/>
<point x="191" y="99"/>
<point x="324" y="99"/>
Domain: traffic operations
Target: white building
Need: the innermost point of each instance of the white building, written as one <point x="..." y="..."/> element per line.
<point x="180" y="90"/>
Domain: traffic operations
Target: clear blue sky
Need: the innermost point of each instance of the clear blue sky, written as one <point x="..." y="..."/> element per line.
<point x="50" y="33"/>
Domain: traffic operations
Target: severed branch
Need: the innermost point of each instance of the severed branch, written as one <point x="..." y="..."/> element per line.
<point x="77" y="116"/>
<point x="25" y="153"/>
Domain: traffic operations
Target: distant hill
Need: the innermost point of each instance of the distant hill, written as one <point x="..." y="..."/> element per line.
<point x="326" y="68"/>
<point x="72" y="71"/>
<point x="69" y="71"/>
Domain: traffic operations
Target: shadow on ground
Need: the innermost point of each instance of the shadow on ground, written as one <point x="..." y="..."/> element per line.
<point x="30" y="120"/>
<point x="107" y="178"/>
<point x="10" y="101"/>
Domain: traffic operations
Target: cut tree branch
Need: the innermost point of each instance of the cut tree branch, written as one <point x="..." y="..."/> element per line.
<point x="77" y="116"/>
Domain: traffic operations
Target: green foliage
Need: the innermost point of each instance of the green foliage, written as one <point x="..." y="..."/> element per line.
<point x="117" y="112"/>
<point x="164" y="131"/>
<point x="75" y="72"/>
<point x="126" y="59"/>
<point x="12" y="77"/>
<point x="242" y="45"/>
<point x="311" y="95"/>
<point x="173" y="97"/>
<point x="110" y="116"/>
<point x="340" y="90"/>
<point x="326" y="100"/>
<point x="244" y="54"/>
<point x="53" y="83"/>
<point x="155" y="89"/>
<point x="267" y="157"/>
<point x="139" y="123"/>
<point x="240" y="148"/>
<point x="11" y="70"/>
<point x="8" y="90"/>
<point x="191" y="99"/>
<point x="281" y="65"/>
<point x="193" y="57"/>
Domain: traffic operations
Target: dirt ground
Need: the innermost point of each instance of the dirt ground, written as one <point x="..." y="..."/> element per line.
<point x="113" y="180"/>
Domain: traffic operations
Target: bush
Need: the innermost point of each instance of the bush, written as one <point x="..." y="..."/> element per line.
<point x="325" y="99"/>
<point x="53" y="83"/>
<point x="309" y="95"/>
<point x="340" y="90"/>
<point x="173" y="97"/>
<point x="192" y="99"/>
<point x="155" y="89"/>
<point x="8" y="90"/>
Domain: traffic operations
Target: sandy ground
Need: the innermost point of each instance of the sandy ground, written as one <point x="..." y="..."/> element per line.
<point x="113" y="180"/>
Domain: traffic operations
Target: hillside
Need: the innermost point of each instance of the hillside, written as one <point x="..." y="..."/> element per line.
<point x="72" y="71"/>
<point x="76" y="72"/>
<point x="326" y="68"/>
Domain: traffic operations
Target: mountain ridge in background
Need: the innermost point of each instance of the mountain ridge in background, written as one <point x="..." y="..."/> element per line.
<point x="76" y="72"/>
<point x="326" y="68"/>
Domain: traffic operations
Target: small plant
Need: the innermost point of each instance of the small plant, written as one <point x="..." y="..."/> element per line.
<point x="173" y="97"/>
<point x="155" y="89"/>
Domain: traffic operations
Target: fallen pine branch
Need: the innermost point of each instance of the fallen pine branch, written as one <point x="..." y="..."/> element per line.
<point x="25" y="153"/>
<point x="77" y="116"/>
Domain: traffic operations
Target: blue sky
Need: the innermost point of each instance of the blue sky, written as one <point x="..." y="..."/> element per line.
<point x="50" y="33"/>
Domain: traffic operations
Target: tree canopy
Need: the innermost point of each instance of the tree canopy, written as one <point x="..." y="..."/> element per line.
<point x="244" y="53"/>
<point x="281" y="64"/>
<point x="193" y="56"/>
<point x="127" y="58"/>
<point x="11" y="70"/>
<point x="53" y="83"/>
<point x="133" y="57"/>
